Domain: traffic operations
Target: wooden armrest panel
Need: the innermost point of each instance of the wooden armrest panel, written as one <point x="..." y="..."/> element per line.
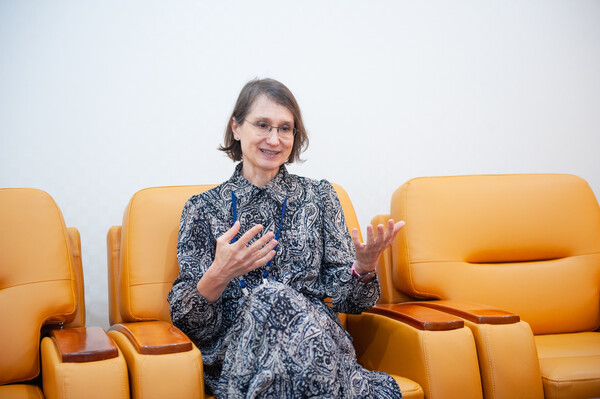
<point x="475" y="313"/>
<point x="155" y="337"/>
<point x="80" y="345"/>
<point x="419" y="317"/>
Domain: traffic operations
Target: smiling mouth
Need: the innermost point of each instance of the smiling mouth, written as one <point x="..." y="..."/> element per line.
<point x="267" y="152"/>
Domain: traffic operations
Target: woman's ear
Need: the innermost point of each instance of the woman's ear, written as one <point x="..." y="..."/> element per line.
<point x="234" y="129"/>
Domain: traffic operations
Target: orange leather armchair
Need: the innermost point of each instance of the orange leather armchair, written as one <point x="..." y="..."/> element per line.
<point x="41" y="299"/>
<point x="142" y="265"/>
<point x="518" y="258"/>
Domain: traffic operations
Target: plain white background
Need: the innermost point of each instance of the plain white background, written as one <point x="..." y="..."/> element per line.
<point x="99" y="99"/>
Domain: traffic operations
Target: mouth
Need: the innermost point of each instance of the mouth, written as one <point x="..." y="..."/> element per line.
<point x="270" y="153"/>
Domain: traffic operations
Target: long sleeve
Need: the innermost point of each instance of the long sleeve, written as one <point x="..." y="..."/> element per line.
<point x="348" y="294"/>
<point x="190" y="311"/>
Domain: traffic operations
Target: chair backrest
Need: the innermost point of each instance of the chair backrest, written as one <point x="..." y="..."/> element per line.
<point x="529" y="244"/>
<point x="147" y="264"/>
<point x="37" y="278"/>
<point x="148" y="259"/>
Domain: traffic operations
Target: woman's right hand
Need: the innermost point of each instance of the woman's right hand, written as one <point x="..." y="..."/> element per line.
<point x="235" y="259"/>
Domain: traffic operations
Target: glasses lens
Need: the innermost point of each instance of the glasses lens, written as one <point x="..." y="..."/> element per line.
<point x="263" y="127"/>
<point x="286" y="131"/>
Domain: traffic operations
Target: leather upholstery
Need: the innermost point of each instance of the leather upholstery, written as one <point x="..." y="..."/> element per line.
<point x="527" y="244"/>
<point x="36" y="263"/>
<point x="176" y="375"/>
<point x="142" y="265"/>
<point x="147" y="264"/>
<point x="442" y="363"/>
<point x="570" y="364"/>
<point x="96" y="379"/>
<point x="75" y="245"/>
<point x="21" y="391"/>
<point x="41" y="288"/>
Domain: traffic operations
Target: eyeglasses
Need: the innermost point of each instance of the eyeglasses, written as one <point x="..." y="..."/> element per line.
<point x="284" y="131"/>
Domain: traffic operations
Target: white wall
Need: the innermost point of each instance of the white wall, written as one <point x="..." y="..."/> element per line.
<point x="99" y="99"/>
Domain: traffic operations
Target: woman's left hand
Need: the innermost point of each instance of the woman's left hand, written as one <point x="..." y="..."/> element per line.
<point x="367" y="254"/>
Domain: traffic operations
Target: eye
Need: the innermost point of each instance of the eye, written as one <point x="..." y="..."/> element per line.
<point x="262" y="125"/>
<point x="285" y="129"/>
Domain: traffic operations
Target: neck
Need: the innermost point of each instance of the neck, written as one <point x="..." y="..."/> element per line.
<point x="258" y="179"/>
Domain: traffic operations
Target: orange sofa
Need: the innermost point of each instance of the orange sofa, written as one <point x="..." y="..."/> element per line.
<point x="518" y="258"/>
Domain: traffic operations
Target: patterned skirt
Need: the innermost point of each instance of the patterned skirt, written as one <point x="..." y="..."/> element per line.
<point x="285" y="346"/>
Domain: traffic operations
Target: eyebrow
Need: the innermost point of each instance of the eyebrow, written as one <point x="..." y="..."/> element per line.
<point x="264" y="118"/>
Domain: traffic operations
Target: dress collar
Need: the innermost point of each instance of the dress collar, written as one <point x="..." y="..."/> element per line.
<point x="278" y="187"/>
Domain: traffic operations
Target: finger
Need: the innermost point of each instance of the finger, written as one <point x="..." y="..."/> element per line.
<point x="258" y="244"/>
<point x="355" y="239"/>
<point x="390" y="225"/>
<point x="231" y="233"/>
<point x="393" y="229"/>
<point x="370" y="235"/>
<point x="262" y="256"/>
<point x="399" y="225"/>
<point x="247" y="236"/>
<point x="389" y="232"/>
<point x="264" y="251"/>
<point x="381" y="234"/>
<point x="264" y="260"/>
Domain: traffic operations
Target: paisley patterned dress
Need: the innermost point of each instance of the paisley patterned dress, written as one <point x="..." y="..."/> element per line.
<point x="281" y="340"/>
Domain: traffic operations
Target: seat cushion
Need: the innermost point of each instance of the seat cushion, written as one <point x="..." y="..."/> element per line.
<point x="409" y="388"/>
<point x="570" y="364"/>
<point x="21" y="391"/>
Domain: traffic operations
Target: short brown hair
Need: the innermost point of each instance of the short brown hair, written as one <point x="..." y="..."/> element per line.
<point x="277" y="92"/>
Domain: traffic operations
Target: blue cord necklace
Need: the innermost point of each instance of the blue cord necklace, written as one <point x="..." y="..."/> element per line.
<point x="266" y="272"/>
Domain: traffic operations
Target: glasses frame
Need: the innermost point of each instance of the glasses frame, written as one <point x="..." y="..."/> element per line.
<point x="271" y="127"/>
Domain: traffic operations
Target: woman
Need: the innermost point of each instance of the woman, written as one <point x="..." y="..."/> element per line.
<point x="257" y="256"/>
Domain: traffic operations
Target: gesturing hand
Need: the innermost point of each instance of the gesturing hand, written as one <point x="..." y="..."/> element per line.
<point x="238" y="258"/>
<point x="235" y="259"/>
<point x="368" y="253"/>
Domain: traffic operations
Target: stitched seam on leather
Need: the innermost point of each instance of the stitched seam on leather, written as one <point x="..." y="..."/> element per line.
<point x="507" y="262"/>
<point x="567" y="356"/>
<point x="487" y="346"/>
<point x="414" y="291"/>
<point x="126" y="248"/>
<point x="406" y="250"/>
<point x="571" y="380"/>
<point x="36" y="282"/>
<point x="156" y="283"/>
<point x="426" y="362"/>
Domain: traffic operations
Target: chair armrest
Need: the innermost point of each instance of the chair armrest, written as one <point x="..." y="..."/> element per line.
<point x="83" y="363"/>
<point x="80" y="345"/>
<point x="419" y="317"/>
<point x="475" y="313"/>
<point x="155" y="338"/>
<point x="157" y="352"/>
<point x="431" y="348"/>
<point x="501" y="337"/>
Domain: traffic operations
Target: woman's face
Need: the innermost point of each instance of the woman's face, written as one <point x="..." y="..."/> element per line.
<point x="263" y="154"/>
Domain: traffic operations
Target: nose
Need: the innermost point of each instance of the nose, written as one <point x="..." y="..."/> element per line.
<point x="273" y="136"/>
